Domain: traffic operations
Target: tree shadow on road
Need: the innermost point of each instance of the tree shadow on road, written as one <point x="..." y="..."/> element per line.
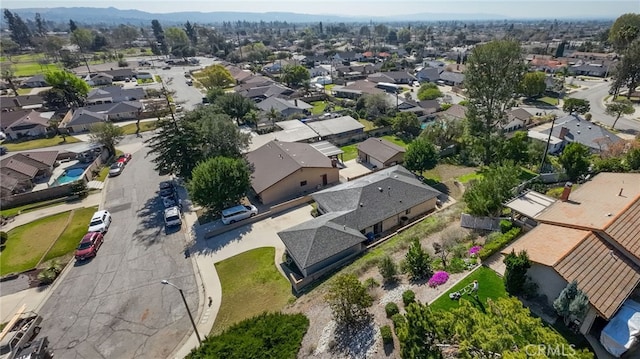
<point x="150" y="228"/>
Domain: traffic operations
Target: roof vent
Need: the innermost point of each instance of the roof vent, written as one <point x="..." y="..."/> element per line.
<point x="380" y="189"/>
<point x="589" y="127"/>
<point x="609" y="214"/>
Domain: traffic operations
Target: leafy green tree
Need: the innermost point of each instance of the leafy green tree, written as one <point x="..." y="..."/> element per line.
<point x="619" y="108"/>
<point x="388" y="269"/>
<point x="176" y="146"/>
<point x="294" y="75"/>
<point x="404" y="35"/>
<point x="252" y="118"/>
<point x="633" y="159"/>
<point x="106" y="134"/>
<point x="420" y="334"/>
<point x="219" y="182"/>
<point x="67" y="88"/>
<point x="576" y="105"/>
<point x="533" y="84"/>
<point x="627" y="70"/>
<point x="571" y="302"/>
<point x="515" y="275"/>
<point x="417" y="262"/>
<point x="494" y="71"/>
<point x="579" y="305"/>
<point x="9" y="77"/>
<point x="429" y="91"/>
<point x="373" y="105"/>
<point x="624" y="30"/>
<point x="407" y="123"/>
<point x="20" y="32"/>
<point x="443" y="133"/>
<point x="216" y="76"/>
<point x="575" y="160"/>
<point x="516" y="148"/>
<point x="235" y="105"/>
<point x="486" y="195"/>
<point x="72" y="26"/>
<point x="421" y="156"/>
<point x="176" y="37"/>
<point x="83" y="38"/>
<point x="348" y="300"/>
<point x="158" y="33"/>
<point x="191" y="32"/>
<point x="218" y="135"/>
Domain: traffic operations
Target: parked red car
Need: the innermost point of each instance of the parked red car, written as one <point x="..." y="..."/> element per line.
<point x="124" y="159"/>
<point x="89" y="245"/>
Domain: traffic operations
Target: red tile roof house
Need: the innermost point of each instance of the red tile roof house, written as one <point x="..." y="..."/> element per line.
<point x="21" y="171"/>
<point x="592" y="236"/>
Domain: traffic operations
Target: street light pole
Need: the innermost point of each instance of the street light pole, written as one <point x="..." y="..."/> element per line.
<point x="164" y="281"/>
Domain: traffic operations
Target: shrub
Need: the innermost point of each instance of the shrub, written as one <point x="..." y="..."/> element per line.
<point x="392" y="309"/>
<point x="408" y="297"/>
<point x="505" y="226"/>
<point x="457" y="265"/>
<point x="497" y="244"/>
<point x="371" y="283"/>
<point x="445" y="106"/>
<point x="473" y="251"/>
<point x="3" y="237"/>
<point x="439" y="278"/>
<point x="385" y="333"/>
<point x="388" y="269"/>
<point x="398" y="321"/>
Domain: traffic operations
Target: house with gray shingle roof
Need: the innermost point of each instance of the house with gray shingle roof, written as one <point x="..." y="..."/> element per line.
<point x="572" y="128"/>
<point x="352" y="213"/>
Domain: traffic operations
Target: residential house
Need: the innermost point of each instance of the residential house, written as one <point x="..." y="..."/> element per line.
<point x="353" y="213"/>
<point x="452" y="78"/>
<point x="25" y="102"/>
<point x="288" y="131"/>
<point x="337" y="130"/>
<point x="121" y="74"/>
<point x="348" y="56"/>
<point x="429" y="74"/>
<point x="555" y="144"/>
<point x="315" y="60"/>
<point x="518" y="118"/>
<point x="99" y="79"/>
<point x="404" y="105"/>
<point x="589" y="69"/>
<point x="430" y="106"/>
<point x="589" y="236"/>
<point x="455" y="112"/>
<point x="260" y="93"/>
<point x="277" y="66"/>
<point x="81" y="120"/>
<point x="318" y="71"/>
<point x="301" y="169"/>
<point x="112" y="94"/>
<point x="284" y="107"/>
<point x="35" y="81"/>
<point x="380" y="153"/>
<point x="394" y="77"/>
<point x="572" y="128"/>
<point x="20" y="172"/>
<point x="238" y="74"/>
<point x="356" y="89"/>
<point x="24" y="123"/>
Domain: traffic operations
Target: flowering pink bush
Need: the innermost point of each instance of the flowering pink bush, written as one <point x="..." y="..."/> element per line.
<point x="474" y="250"/>
<point x="439" y="278"/>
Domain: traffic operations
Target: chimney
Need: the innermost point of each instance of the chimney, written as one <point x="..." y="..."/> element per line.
<point x="566" y="192"/>
<point x="620" y="193"/>
<point x="563" y="132"/>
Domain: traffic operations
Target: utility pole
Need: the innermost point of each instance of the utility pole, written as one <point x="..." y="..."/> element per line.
<point x="546" y="147"/>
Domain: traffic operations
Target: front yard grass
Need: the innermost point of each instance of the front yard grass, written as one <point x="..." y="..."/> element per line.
<point x="144" y="81"/>
<point x="251" y="284"/>
<point x="368" y="125"/>
<point x="72" y="235"/>
<point x="549" y="100"/>
<point x="490" y="285"/>
<point x="102" y="176"/>
<point x="350" y="152"/>
<point x="145" y="126"/>
<point x="28" y="243"/>
<point x="29" y="207"/>
<point x="38" y="143"/>
<point x="397" y="140"/>
<point x="32" y="68"/>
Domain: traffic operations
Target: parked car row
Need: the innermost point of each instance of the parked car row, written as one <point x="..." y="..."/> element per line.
<point x="171" y="203"/>
<point x="118" y="166"/>
<point x="92" y="241"/>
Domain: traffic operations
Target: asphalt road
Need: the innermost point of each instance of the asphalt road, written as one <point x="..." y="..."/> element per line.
<point x="114" y="306"/>
<point x="595" y="94"/>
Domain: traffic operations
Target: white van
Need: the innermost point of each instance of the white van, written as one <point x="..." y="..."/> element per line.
<point x="238" y="213"/>
<point x="172" y="216"/>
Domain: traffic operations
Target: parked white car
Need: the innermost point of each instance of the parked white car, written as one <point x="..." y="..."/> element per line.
<point x="172" y="217"/>
<point x="238" y="213"/>
<point x="100" y="221"/>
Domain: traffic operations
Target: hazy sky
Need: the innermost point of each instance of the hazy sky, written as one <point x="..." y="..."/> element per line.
<point x="511" y="8"/>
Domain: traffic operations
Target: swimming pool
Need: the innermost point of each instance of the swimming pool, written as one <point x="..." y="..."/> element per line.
<point x="69" y="175"/>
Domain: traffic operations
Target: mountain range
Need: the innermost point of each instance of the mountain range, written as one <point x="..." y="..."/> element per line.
<point x="112" y="15"/>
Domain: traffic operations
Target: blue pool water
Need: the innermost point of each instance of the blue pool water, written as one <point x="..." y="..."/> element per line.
<point x="70" y="175"/>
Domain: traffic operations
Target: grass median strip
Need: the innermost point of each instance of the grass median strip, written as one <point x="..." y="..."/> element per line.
<point x="39" y="143"/>
<point x="251" y="284"/>
<point x="72" y="235"/>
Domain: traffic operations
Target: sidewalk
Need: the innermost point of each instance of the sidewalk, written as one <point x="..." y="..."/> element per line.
<point x="93" y="199"/>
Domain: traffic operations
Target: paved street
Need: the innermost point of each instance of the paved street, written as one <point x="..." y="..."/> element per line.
<point x="114" y="306"/>
<point x="597" y="92"/>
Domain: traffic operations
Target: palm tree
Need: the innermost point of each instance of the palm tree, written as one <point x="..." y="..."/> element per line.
<point x="252" y="118"/>
<point x="273" y="115"/>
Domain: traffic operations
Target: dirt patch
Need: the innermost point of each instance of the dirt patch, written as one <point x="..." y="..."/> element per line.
<point x="321" y="340"/>
<point x="445" y="172"/>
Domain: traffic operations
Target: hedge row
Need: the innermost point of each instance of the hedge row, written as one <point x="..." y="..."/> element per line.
<point x="498" y="243"/>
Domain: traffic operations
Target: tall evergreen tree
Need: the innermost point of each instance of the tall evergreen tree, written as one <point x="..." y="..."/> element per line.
<point x="72" y="26"/>
<point x="515" y="275"/>
<point x="41" y="27"/>
<point x="20" y="32"/>
<point x="192" y="33"/>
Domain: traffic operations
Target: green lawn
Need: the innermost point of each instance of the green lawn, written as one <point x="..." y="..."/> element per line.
<point x="397" y="140"/>
<point x="469" y="177"/>
<point x="144" y="81"/>
<point x="104" y="172"/>
<point x="157" y="78"/>
<point x="72" y="235"/>
<point x="319" y="107"/>
<point x="22" y="91"/>
<point x="28" y="243"/>
<point x="328" y="87"/>
<point x="350" y="152"/>
<point x="525" y="175"/>
<point x="549" y="100"/>
<point x="38" y="143"/>
<point x="490" y="285"/>
<point x="251" y="284"/>
<point x="32" y="68"/>
<point x="130" y="129"/>
<point x="368" y="125"/>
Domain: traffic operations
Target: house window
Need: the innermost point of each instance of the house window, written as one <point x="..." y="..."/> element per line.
<point x="303" y="183"/>
<point x="407" y="211"/>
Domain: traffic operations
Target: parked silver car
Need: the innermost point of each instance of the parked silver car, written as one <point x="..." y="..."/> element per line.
<point x="116" y="169"/>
